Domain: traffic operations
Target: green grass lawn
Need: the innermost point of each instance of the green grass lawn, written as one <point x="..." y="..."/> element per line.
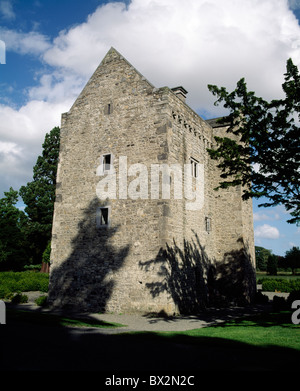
<point x="39" y="340"/>
<point x="268" y="341"/>
<point x="260" y="330"/>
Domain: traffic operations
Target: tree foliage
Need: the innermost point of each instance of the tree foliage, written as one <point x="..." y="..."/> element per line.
<point x="292" y="258"/>
<point x="262" y="152"/>
<point x="39" y="195"/>
<point x="13" y="223"/>
<point x="261" y="257"/>
<point x="272" y="264"/>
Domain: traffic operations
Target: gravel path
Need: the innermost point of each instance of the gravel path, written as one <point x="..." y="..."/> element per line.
<point x="152" y="322"/>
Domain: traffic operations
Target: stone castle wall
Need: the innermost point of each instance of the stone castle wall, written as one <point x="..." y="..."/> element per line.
<point x="150" y="257"/>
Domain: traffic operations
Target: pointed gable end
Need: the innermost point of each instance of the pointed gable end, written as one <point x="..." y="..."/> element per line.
<point x="114" y="74"/>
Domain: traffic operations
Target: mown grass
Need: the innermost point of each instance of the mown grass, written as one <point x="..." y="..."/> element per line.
<point x="266" y="342"/>
<point x="260" y="330"/>
<point x="266" y="329"/>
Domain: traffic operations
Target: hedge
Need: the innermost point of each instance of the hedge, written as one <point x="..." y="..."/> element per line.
<point x="280" y="284"/>
<point x="11" y="282"/>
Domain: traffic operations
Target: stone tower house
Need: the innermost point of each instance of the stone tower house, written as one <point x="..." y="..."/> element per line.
<point x="138" y="226"/>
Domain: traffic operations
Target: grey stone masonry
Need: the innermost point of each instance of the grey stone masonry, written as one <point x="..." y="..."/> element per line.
<point x="132" y="231"/>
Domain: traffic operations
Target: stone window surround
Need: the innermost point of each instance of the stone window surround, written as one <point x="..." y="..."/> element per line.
<point x="99" y="216"/>
<point x="194" y="165"/>
<point x="101" y="169"/>
<point x="108" y="108"/>
<point x="208" y="224"/>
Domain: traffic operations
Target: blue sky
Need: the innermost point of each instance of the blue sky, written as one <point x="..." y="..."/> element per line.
<point x="53" y="47"/>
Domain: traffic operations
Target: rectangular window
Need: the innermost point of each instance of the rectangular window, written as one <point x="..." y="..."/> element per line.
<point x="194" y="167"/>
<point x="106" y="162"/>
<point x="208" y="224"/>
<point x="108" y="108"/>
<point x="106" y="165"/>
<point x="103" y="217"/>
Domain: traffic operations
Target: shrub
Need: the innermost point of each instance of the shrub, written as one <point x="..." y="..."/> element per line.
<point x="279" y="303"/>
<point x="46" y="254"/>
<point x="41" y="301"/>
<point x="5" y="293"/>
<point x="11" y="282"/>
<point x="280" y="285"/>
<point x="19" y="298"/>
<point x="260" y="298"/>
<point x="36" y="268"/>
<point x="295" y="295"/>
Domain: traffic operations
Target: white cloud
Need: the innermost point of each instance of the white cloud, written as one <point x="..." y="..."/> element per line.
<point x="191" y="43"/>
<point x="171" y="42"/>
<point x="24" y="43"/>
<point x="257" y="216"/>
<point x="266" y="231"/>
<point x="273" y="213"/>
<point x="22" y="133"/>
<point x="6" y="10"/>
<point x="58" y="86"/>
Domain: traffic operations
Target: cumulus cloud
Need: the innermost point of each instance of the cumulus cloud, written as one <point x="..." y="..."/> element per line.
<point x="190" y="43"/>
<point x="22" y="133"/>
<point x="25" y="43"/>
<point x="6" y="10"/>
<point x="266" y="231"/>
<point x="272" y="214"/>
<point x="260" y="216"/>
<point x="171" y="42"/>
<point x="57" y="87"/>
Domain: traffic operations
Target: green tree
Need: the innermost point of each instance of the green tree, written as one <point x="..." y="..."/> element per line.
<point x="39" y="195"/>
<point x="261" y="256"/>
<point x="263" y="151"/>
<point x="292" y="259"/>
<point x="13" y="222"/>
<point x="272" y="265"/>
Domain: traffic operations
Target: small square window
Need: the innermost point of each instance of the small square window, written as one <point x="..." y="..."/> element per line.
<point x="103" y="217"/>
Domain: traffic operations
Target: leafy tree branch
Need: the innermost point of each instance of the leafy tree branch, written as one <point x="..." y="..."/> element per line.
<point x="262" y="150"/>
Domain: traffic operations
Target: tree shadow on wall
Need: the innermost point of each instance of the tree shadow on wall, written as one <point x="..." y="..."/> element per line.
<point x="235" y="278"/>
<point x="84" y="281"/>
<point x="195" y="281"/>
